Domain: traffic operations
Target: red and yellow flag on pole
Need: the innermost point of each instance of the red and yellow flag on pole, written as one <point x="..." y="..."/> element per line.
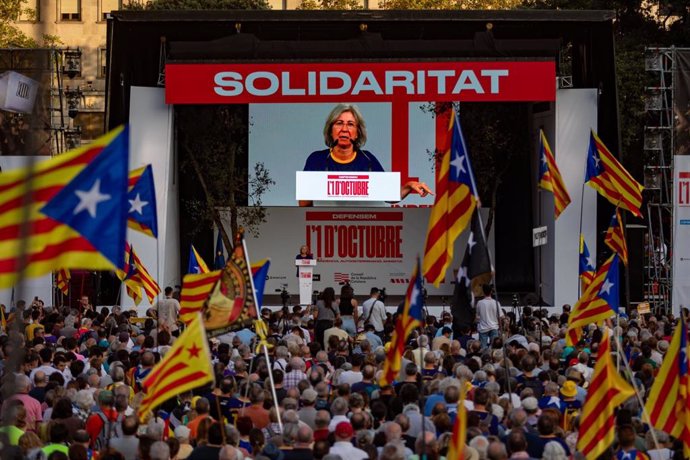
<point x="69" y="211"/>
<point x="456" y="198"/>
<point x="606" y="392"/>
<point x="615" y="237"/>
<point x="187" y="365"/>
<point x="668" y="403"/>
<point x="62" y="278"/>
<point x="196" y="288"/>
<point x="608" y="177"/>
<point x="456" y="447"/>
<point x="410" y="319"/>
<point x="550" y="177"/>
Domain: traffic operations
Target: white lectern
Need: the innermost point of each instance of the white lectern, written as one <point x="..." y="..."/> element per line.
<point x="305" y="269"/>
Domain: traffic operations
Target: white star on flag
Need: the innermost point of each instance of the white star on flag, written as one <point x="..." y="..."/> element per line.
<point x="459" y="164"/>
<point x="606" y="287"/>
<point x="414" y="294"/>
<point x="89" y="199"/>
<point x="596" y="161"/>
<point x="137" y="205"/>
<point x="470" y="242"/>
<point x="590" y="262"/>
<point x="543" y="159"/>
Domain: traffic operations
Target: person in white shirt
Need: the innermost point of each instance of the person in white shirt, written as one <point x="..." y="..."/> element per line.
<point x="374" y="312"/>
<point x="167" y="311"/>
<point x="488" y="314"/>
<point x="343" y="443"/>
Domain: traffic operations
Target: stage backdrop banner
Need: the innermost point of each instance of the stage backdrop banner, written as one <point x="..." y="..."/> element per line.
<point x="681" y="233"/>
<point x="366" y="246"/>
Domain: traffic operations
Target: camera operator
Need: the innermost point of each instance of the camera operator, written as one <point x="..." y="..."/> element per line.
<point x="374" y="312"/>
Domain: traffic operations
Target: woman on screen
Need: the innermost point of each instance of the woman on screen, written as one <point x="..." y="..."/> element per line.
<point x="345" y="133"/>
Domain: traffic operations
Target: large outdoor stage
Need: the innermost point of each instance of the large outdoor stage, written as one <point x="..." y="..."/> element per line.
<point x="281" y="73"/>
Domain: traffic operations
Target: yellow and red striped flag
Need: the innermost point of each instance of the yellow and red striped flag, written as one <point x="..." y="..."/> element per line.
<point x="62" y="278"/>
<point x="187" y="365"/>
<point x="615" y="237"/>
<point x="410" y="319"/>
<point x="456" y="197"/>
<point x="66" y="212"/>
<point x="606" y="392"/>
<point x="136" y="277"/>
<point x="550" y="177"/>
<point x="668" y="403"/>
<point x="456" y="447"/>
<point x="607" y="176"/>
<point x="196" y="288"/>
<point x="599" y="301"/>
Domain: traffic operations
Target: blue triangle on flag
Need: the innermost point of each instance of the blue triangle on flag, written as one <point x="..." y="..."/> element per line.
<point x="95" y="203"/>
<point x="142" y="202"/>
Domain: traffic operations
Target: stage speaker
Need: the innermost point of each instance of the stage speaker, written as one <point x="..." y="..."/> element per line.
<point x="17" y="92"/>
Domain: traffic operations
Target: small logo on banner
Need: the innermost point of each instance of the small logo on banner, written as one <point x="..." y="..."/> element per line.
<point x="400" y="281"/>
<point x="351" y="185"/>
<point x="341" y="277"/>
<point x="685" y="222"/>
<point x="683" y="189"/>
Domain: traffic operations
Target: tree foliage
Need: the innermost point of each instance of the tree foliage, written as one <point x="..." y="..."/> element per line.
<point x="10" y="35"/>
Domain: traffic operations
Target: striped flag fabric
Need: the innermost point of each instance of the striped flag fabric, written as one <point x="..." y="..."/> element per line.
<point x="456" y="447"/>
<point x="142" y="215"/>
<point x="410" y="319"/>
<point x="259" y="275"/>
<point x="62" y="278"/>
<point x="187" y="365"/>
<point x="456" y="198"/>
<point x="550" y="177"/>
<point x="599" y="301"/>
<point x="341" y="277"/>
<point x="606" y="392"/>
<point x="608" y="177"/>
<point x="196" y="287"/>
<point x="587" y="267"/>
<point x="196" y="263"/>
<point x="137" y="277"/>
<point x="615" y="237"/>
<point x="668" y="403"/>
<point x="128" y="275"/>
<point x="66" y="212"/>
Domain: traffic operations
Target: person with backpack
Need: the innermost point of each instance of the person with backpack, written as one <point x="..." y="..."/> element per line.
<point x="105" y="423"/>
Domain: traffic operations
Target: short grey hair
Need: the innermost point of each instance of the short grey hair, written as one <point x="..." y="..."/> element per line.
<point x="339" y="406"/>
<point x="333" y="117"/>
<point x="159" y="451"/>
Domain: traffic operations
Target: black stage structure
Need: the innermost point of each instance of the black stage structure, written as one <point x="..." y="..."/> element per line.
<point x="580" y="42"/>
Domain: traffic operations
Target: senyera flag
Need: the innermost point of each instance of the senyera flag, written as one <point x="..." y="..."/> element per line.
<point x="66" y="212"/>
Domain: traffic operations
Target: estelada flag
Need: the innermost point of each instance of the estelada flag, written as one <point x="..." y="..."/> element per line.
<point x="66" y="212"/>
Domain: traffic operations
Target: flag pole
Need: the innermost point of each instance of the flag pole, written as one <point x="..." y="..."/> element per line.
<point x="645" y="414"/>
<point x="268" y="360"/>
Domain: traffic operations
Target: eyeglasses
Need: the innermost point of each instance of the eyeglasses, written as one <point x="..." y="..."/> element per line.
<point x="349" y="125"/>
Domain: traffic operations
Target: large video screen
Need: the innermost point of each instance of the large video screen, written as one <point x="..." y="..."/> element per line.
<point x="352" y="117"/>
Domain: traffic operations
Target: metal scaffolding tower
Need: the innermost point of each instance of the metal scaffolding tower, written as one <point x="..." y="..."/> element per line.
<point x="660" y="64"/>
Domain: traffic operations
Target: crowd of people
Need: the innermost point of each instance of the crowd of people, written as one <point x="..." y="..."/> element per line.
<point x="72" y="383"/>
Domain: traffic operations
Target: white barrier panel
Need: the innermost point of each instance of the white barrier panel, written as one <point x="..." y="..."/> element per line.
<point x="681" y="234"/>
<point x="347" y="186"/>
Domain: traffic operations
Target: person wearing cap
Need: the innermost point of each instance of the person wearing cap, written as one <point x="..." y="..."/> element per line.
<point x="343" y="443"/>
<point x="94" y="424"/>
<point x="576" y="376"/>
<point x="307" y="413"/>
